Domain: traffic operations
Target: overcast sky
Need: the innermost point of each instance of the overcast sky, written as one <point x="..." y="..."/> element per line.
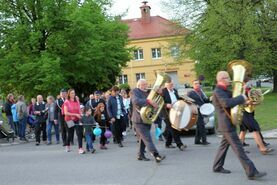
<point x="120" y="6"/>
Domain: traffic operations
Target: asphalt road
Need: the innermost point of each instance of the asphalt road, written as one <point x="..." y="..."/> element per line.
<point x="27" y="164"/>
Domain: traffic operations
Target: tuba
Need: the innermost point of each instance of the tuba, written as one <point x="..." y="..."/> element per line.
<point x="239" y="69"/>
<point x="148" y="113"/>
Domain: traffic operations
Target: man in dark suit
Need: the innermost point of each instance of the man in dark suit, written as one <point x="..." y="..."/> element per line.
<point x="223" y="102"/>
<point x="116" y="112"/>
<point x="59" y="116"/>
<point x="200" y="98"/>
<point x="93" y="102"/>
<point x="139" y="100"/>
<point x="170" y="96"/>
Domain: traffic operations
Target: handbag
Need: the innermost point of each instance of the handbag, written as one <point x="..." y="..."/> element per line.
<point x="70" y="123"/>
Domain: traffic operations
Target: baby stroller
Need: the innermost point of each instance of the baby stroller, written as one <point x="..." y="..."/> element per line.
<point x="6" y="130"/>
<point x="30" y="131"/>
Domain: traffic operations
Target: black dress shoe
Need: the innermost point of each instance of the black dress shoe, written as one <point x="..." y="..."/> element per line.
<point x="198" y="143"/>
<point x="159" y="158"/>
<point x="222" y="170"/>
<point x="170" y="146"/>
<point x="182" y="147"/>
<point x="257" y="175"/>
<point x="142" y="158"/>
<point x="206" y="143"/>
<point x="120" y="145"/>
<point x="245" y="144"/>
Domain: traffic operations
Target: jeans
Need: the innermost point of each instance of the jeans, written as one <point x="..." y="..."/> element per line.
<point x="22" y="127"/>
<point x="49" y="129"/>
<point x="89" y="141"/>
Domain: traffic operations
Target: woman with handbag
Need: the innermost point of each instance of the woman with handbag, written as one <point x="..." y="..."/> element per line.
<point x="72" y="112"/>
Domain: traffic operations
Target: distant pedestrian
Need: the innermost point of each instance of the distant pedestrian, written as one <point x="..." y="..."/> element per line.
<point x="8" y="111"/>
<point x="22" y="114"/>
<point x="50" y="107"/>
<point x="40" y="112"/>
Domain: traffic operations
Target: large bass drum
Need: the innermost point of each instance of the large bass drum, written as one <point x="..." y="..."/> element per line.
<point x="183" y="115"/>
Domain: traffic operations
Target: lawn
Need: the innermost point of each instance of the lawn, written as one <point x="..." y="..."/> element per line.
<point x="266" y="113"/>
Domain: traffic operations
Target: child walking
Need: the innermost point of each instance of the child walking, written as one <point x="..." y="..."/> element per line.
<point x="101" y="116"/>
<point x="88" y="121"/>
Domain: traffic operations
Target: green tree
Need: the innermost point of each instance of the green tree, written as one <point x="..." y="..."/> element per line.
<point x="51" y="44"/>
<point x="227" y="30"/>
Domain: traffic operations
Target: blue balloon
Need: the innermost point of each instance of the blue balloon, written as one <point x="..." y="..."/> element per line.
<point x="97" y="131"/>
<point x="158" y="132"/>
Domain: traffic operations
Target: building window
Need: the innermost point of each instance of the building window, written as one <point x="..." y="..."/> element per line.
<point x="175" y="51"/>
<point x="123" y="79"/>
<point x="138" y="54"/>
<point x="156" y="53"/>
<point x="140" y="76"/>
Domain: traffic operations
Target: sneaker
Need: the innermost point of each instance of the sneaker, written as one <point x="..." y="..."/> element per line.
<point x="37" y="143"/>
<point x="81" y="151"/>
<point x="102" y="147"/>
<point x="49" y="143"/>
<point x="67" y="148"/>
<point x="124" y="133"/>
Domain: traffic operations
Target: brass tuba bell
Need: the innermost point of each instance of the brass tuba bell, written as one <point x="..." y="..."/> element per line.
<point x="239" y="69"/>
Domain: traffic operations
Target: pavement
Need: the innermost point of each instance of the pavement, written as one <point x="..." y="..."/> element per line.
<point x="27" y="164"/>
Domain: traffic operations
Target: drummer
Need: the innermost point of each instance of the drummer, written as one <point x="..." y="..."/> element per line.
<point x="170" y="96"/>
<point x="200" y="98"/>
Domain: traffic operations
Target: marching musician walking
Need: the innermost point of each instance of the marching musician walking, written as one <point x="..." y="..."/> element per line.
<point x="171" y="96"/>
<point x="139" y="100"/>
<point x="200" y="98"/>
<point x="223" y="101"/>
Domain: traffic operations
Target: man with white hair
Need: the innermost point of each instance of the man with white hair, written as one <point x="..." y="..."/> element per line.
<point x="223" y="102"/>
<point x="139" y="100"/>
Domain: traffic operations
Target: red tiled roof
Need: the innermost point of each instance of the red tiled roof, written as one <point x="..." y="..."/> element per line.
<point x="158" y="27"/>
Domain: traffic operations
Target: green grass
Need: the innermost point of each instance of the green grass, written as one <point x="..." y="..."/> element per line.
<point x="266" y="113"/>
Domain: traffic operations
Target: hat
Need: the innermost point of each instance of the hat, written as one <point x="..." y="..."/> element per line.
<point x="63" y="90"/>
<point x="97" y="92"/>
<point x="82" y="106"/>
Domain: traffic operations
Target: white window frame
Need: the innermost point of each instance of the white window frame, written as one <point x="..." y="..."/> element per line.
<point x="139" y="56"/>
<point x="156" y="51"/>
<point x="121" y="79"/>
<point x="141" y="76"/>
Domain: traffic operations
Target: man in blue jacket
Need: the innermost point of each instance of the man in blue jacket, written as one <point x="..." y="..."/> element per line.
<point x="223" y="102"/>
<point x="116" y="112"/>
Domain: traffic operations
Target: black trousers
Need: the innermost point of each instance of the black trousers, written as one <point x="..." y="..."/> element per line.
<point x="40" y="127"/>
<point x="231" y="138"/>
<point x="118" y="129"/>
<point x="200" y="132"/>
<point x="63" y="128"/>
<point x="103" y="139"/>
<point x="171" y="133"/>
<point x="79" y="132"/>
<point x="70" y="135"/>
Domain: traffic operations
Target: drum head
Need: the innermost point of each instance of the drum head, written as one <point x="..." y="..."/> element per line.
<point x="207" y="109"/>
<point x="180" y="115"/>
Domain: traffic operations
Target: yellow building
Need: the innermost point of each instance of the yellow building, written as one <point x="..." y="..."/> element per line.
<point x="155" y="42"/>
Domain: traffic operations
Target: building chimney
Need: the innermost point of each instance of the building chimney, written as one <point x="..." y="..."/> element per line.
<point x="145" y="12"/>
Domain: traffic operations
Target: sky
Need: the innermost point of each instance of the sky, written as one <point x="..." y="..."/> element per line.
<point x="120" y="6"/>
